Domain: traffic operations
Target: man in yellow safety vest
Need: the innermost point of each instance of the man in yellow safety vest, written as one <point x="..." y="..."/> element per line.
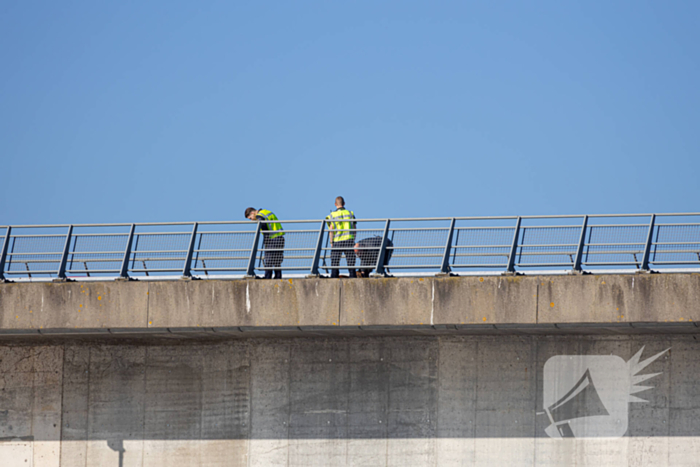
<point x="273" y="240"/>
<point x="341" y="231"/>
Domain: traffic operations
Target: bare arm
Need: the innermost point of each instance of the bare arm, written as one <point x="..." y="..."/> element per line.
<point x="330" y="231"/>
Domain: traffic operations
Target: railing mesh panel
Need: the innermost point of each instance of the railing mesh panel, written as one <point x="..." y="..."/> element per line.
<point x="92" y="252"/>
<point x="161" y="252"/>
<point x="481" y="247"/>
<point x="614" y="244"/>
<point x="232" y="251"/>
<point x="544" y="247"/>
<point x="22" y="257"/>
<point x="676" y="244"/>
<point x="413" y="249"/>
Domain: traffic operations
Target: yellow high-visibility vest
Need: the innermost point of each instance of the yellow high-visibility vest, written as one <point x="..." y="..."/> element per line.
<point x="341" y="224"/>
<point x="273" y="226"/>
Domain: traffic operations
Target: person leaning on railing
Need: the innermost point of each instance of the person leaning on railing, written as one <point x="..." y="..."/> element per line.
<point x="367" y="250"/>
<point x="273" y="240"/>
<point x="341" y="231"/>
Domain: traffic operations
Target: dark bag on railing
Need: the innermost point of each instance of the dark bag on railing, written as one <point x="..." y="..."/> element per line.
<point x="368" y="258"/>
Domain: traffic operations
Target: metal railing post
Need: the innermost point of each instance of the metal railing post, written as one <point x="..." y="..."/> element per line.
<point x="581" y="243"/>
<point x="190" y="249"/>
<point x="513" y="248"/>
<point x="61" y="273"/>
<point x="382" y="251"/>
<point x="196" y="258"/>
<point x="124" y="270"/>
<point x="250" y="271"/>
<point x="445" y="268"/>
<point x="647" y="247"/>
<point x="3" y="253"/>
<point x="317" y="253"/>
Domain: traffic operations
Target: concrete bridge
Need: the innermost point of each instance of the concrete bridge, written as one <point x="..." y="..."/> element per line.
<point x="495" y="370"/>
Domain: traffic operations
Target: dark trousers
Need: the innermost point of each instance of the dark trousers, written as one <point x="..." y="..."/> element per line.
<point x="273" y="259"/>
<point x="346" y="247"/>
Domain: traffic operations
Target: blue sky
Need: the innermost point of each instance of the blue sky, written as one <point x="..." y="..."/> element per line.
<point x="178" y="111"/>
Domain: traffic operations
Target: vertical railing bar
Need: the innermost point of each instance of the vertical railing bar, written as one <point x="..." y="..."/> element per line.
<point x="325" y="253"/>
<point x="588" y="247"/>
<point x="656" y="247"/>
<point x="647" y="248"/>
<point x="72" y="254"/>
<point x="522" y="244"/>
<point x="387" y="271"/>
<point x="135" y="250"/>
<point x="445" y="267"/>
<point x="124" y="270"/>
<point x="382" y="251"/>
<point x="514" y="247"/>
<point x="196" y="258"/>
<point x="3" y="253"/>
<point x="188" y="259"/>
<point x="454" y="254"/>
<point x="581" y="243"/>
<point x="12" y="250"/>
<point x="61" y="273"/>
<point x="250" y="271"/>
<point x="313" y="272"/>
<point x="261" y="258"/>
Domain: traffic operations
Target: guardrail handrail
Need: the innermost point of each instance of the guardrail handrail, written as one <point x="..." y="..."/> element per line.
<point x="426" y="245"/>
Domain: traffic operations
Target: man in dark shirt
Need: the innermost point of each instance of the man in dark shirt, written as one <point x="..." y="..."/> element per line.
<point x="273" y="240"/>
<point x="368" y="251"/>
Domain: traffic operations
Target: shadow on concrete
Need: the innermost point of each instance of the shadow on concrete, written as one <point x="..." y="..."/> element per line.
<point x="118" y="446"/>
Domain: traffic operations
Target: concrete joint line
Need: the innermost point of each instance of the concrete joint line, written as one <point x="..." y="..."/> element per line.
<point x="432" y="302"/>
<point x="537" y="303"/>
<point x="340" y="301"/>
<point x="148" y="305"/>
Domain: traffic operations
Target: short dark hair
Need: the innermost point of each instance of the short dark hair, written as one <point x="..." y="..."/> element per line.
<point x="248" y="211"/>
<point x="340" y="200"/>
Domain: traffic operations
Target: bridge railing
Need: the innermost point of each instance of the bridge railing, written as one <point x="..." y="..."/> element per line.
<point x="423" y="246"/>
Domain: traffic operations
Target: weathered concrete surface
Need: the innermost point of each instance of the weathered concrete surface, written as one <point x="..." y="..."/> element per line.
<point x="344" y="397"/>
<point x="404" y="401"/>
<point x="310" y="302"/>
<point x="619" y="298"/>
<point x="31" y="387"/>
<point x="73" y="305"/>
<point x="509" y="299"/>
<point x="622" y="303"/>
<point x="404" y="302"/>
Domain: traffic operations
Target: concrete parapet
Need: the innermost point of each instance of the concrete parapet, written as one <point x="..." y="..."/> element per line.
<point x="76" y="305"/>
<point x="540" y="304"/>
<point x="485" y="300"/>
<point x="384" y="301"/>
<point x="619" y="298"/>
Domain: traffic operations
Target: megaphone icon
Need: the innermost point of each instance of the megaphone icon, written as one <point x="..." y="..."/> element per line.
<point x="581" y="401"/>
